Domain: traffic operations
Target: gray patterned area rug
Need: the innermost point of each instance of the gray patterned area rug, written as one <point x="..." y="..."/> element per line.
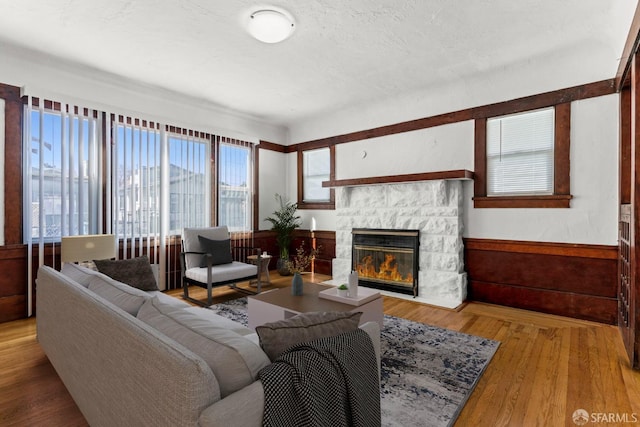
<point x="427" y="373"/>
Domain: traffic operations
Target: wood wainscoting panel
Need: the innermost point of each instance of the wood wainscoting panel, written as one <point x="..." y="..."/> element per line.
<point x="13" y="283"/>
<point x="566" y="279"/>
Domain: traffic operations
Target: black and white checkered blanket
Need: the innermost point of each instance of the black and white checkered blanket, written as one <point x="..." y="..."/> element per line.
<point x="326" y="382"/>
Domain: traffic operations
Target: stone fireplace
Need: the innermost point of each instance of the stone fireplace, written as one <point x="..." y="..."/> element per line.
<point x="433" y="208"/>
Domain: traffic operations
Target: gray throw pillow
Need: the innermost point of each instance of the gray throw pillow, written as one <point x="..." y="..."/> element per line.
<point x="276" y="337"/>
<point x="134" y="272"/>
<point x="220" y="249"/>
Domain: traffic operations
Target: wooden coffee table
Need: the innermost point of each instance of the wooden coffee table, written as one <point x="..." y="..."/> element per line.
<point x="279" y="304"/>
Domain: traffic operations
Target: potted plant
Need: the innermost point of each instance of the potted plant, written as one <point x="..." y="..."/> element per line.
<point x="284" y="221"/>
<point x="343" y="290"/>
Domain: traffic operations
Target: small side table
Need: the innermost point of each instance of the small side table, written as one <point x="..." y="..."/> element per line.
<point x="264" y="267"/>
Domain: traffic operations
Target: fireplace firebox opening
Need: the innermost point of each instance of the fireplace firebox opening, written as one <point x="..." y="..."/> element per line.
<point x="386" y="259"/>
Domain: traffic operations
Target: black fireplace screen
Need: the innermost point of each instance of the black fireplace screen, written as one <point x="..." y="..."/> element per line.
<point x="386" y="259"/>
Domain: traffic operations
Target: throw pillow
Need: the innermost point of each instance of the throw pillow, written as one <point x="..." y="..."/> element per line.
<point x="276" y="337"/>
<point x="220" y="249"/>
<point x="134" y="272"/>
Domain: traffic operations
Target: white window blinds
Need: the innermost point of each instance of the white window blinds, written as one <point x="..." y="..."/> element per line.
<point x="235" y="184"/>
<point x="62" y="172"/>
<point x="520" y="153"/>
<point x="189" y="181"/>
<point x="61" y="178"/>
<point x="135" y="171"/>
<point x="160" y="183"/>
<point x="316" y="167"/>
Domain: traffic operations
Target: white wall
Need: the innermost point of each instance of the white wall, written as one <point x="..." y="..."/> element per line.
<point x="273" y="172"/>
<point x="594" y="146"/>
<point x="427" y="150"/>
<point x="50" y="77"/>
<point x="592" y="218"/>
<point x="530" y="76"/>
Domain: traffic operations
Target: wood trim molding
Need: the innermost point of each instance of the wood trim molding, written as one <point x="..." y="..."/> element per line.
<point x="625" y="146"/>
<point x="266" y="145"/>
<point x="546" y="248"/>
<point x="480" y="158"/>
<point x="427" y="176"/>
<point x="623" y="75"/>
<point x="562" y="168"/>
<point x="562" y="156"/>
<point x="12" y="164"/>
<point x="567" y="95"/>
<point x="551" y="201"/>
<point x="255" y="200"/>
<point x="331" y="204"/>
<point x="532" y="102"/>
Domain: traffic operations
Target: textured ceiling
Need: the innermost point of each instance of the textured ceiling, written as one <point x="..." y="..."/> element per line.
<point x="342" y="54"/>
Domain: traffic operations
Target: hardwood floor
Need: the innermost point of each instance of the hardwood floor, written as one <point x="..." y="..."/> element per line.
<point x="546" y="368"/>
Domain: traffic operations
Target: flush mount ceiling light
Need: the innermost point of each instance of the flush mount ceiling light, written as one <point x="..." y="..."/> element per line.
<point x="270" y="26"/>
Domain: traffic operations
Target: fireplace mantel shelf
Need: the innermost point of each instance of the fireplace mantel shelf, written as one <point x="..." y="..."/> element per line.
<point x="426" y="176"/>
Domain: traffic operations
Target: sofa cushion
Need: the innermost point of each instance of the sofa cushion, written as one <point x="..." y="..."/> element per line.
<point x="276" y="337"/>
<point x="234" y="360"/>
<point x="219" y="321"/>
<point x="222" y="273"/>
<point x="168" y="299"/>
<point x="79" y="273"/>
<point x="123" y="296"/>
<point x="135" y="272"/>
<point x="220" y="251"/>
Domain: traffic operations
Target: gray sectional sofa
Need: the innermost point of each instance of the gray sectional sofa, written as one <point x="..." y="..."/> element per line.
<point x="130" y="357"/>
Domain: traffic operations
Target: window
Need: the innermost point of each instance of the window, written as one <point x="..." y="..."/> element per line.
<point x="91" y="172"/>
<point x="314" y="167"/>
<point x="189" y="182"/>
<point x="62" y="172"/>
<point x="138" y="175"/>
<point x="235" y="184"/>
<point x="136" y="178"/>
<point x="520" y="153"/>
<point x="522" y="159"/>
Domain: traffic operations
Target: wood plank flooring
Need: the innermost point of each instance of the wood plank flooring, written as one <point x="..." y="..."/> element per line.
<point x="546" y="368"/>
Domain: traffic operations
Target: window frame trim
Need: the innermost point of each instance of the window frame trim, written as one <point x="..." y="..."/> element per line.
<point x="561" y="197"/>
<point x="329" y="205"/>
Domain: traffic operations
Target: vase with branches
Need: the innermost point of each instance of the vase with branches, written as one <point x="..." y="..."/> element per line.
<point x="297" y="265"/>
<point x="284" y="221"/>
<point x="301" y="260"/>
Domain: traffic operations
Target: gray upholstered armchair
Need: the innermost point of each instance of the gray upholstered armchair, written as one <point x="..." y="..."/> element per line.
<point x="206" y="261"/>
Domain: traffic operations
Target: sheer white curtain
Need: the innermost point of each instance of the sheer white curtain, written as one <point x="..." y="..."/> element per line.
<point x="62" y="176"/>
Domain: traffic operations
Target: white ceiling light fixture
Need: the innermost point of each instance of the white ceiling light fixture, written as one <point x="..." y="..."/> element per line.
<point x="270" y="26"/>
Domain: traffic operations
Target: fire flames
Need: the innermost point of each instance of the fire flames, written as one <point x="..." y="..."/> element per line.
<point x="388" y="269"/>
